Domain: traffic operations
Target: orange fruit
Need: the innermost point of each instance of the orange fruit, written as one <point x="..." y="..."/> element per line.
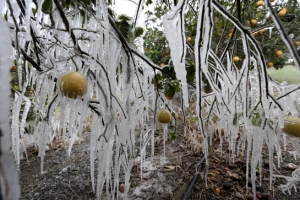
<point x="164" y="116"/>
<point x="253" y="22"/>
<point x="236" y="59"/>
<point x="73" y="85"/>
<point x="259" y="3"/>
<point x="282" y="12"/>
<point x="292" y="126"/>
<point x="270" y="64"/>
<point x="278" y="53"/>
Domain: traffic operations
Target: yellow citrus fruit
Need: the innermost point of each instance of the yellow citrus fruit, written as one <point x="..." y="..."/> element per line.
<point x="292" y="126"/>
<point x="253" y="22"/>
<point x="297" y="43"/>
<point x="282" y="13"/>
<point x="278" y="53"/>
<point x="164" y="116"/>
<point x="162" y="64"/>
<point x="189" y="39"/>
<point x="236" y="59"/>
<point x="73" y="85"/>
<point x="270" y="64"/>
<point x="259" y="3"/>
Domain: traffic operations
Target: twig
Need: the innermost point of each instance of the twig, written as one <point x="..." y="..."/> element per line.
<point x="69" y="186"/>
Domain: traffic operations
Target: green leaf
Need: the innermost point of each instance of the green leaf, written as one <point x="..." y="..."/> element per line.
<point x="47" y="7"/>
<point x="148" y="2"/>
<point x="124" y="18"/>
<point x="33" y="11"/>
<point x="138" y="32"/>
<point x="170" y="91"/>
<point x="176" y="85"/>
<point x="173" y="135"/>
<point x="256" y="119"/>
<point x="190" y="73"/>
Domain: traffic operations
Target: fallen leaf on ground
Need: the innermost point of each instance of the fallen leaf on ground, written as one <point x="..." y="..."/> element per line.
<point x="233" y="175"/>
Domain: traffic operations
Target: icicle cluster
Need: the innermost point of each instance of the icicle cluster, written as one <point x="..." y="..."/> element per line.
<point x="120" y="92"/>
<point x="242" y="99"/>
<point x="119" y="89"/>
<point x="9" y="183"/>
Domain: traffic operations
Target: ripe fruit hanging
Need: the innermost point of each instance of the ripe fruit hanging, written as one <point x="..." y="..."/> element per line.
<point x="282" y="12"/>
<point x="253" y="22"/>
<point x="164" y="116"/>
<point x="259" y="3"/>
<point x="236" y="59"/>
<point x="292" y="126"/>
<point x="297" y="43"/>
<point x="189" y="39"/>
<point x="278" y="53"/>
<point x="270" y="64"/>
<point x="73" y="85"/>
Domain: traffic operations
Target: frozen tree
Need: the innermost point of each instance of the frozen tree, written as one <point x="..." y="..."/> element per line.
<point x="52" y="37"/>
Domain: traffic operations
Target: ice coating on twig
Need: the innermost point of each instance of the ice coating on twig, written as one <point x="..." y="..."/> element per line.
<point x="173" y="22"/>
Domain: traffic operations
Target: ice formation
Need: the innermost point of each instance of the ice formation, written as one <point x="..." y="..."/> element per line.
<point x="9" y="182"/>
<point x="120" y="93"/>
<point x="174" y="25"/>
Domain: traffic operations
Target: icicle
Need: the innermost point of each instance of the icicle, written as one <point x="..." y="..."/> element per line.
<point x="174" y="24"/>
<point x="9" y="184"/>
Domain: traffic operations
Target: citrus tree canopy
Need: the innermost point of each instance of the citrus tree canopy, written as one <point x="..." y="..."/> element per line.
<point x="76" y="62"/>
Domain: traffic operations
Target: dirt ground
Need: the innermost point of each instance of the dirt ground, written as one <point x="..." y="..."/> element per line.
<point x="69" y="177"/>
